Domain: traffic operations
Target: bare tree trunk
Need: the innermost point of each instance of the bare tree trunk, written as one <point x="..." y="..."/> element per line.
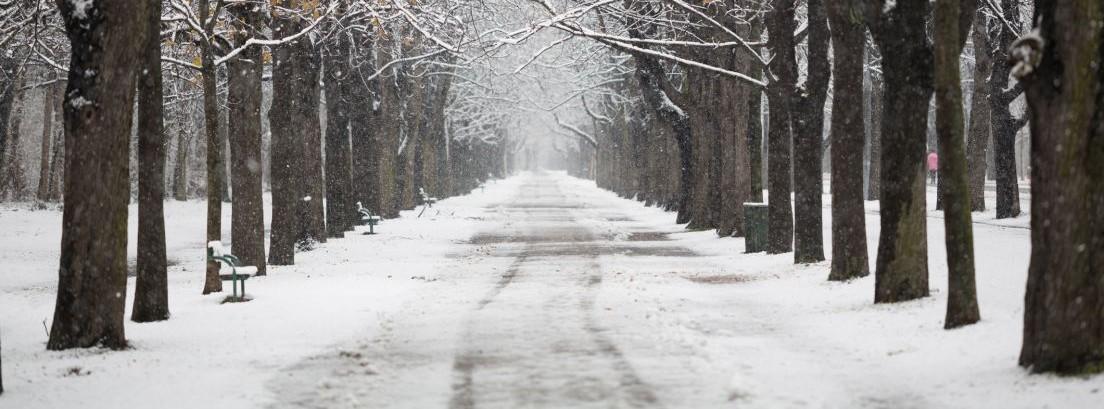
<point x="1064" y="305"/>
<point x="1004" y="126"/>
<point x="808" y="125"/>
<point x="215" y="166"/>
<point x="338" y="161"/>
<point x="979" y="115"/>
<point x="91" y="297"/>
<point x="780" y="26"/>
<point x="755" y="124"/>
<point x="849" y="253"/>
<point x="247" y="232"/>
<point x="313" y="218"/>
<point x="151" y="294"/>
<point x="951" y="26"/>
<point x="902" y="262"/>
<point x="286" y="146"/>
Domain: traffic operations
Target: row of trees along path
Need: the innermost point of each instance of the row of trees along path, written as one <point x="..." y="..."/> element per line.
<point x="679" y="124"/>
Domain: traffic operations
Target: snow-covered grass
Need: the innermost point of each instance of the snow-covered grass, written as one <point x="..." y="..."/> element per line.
<point x="793" y="339"/>
<point x="211" y="354"/>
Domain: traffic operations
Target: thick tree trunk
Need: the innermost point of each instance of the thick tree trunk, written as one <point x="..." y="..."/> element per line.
<point x="91" y="299"/>
<point x="979" y="115"/>
<point x="808" y="125"/>
<point x="951" y="25"/>
<point x="902" y="263"/>
<point x="286" y="146"/>
<point x="849" y="252"/>
<point x="247" y="232"/>
<point x="1004" y="126"/>
<point x="780" y="25"/>
<point x="1064" y="305"/>
<point x="151" y="294"/>
<point x="312" y="219"/>
<point x="338" y="162"/>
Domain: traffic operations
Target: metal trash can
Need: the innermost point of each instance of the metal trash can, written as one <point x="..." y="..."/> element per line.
<point x="755" y="227"/>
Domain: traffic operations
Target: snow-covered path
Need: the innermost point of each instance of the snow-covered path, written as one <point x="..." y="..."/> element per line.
<point x="533" y="334"/>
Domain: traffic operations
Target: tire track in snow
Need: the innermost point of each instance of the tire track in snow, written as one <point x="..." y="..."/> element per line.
<point x="627" y="387"/>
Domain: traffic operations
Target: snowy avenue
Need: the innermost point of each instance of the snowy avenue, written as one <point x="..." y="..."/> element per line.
<point x="552" y="204"/>
<point x="537" y="291"/>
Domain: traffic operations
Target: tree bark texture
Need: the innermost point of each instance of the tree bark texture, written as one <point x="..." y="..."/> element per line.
<point x="1004" y="125"/>
<point x="849" y="252"/>
<point x="951" y="26"/>
<point x="215" y="165"/>
<point x="1064" y="81"/>
<point x="338" y="158"/>
<point x="104" y="38"/>
<point x="978" y="135"/>
<point x="808" y="125"/>
<point x="901" y="271"/>
<point x="247" y="232"/>
<point x="780" y="224"/>
<point x="151" y="294"/>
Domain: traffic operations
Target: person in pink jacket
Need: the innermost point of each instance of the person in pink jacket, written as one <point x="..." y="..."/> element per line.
<point x="933" y="165"/>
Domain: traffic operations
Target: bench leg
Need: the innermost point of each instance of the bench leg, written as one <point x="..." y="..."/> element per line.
<point x="235" y="284"/>
<point x="243" y="288"/>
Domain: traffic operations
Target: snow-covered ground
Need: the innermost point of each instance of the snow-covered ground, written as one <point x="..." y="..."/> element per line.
<point x="541" y="291"/>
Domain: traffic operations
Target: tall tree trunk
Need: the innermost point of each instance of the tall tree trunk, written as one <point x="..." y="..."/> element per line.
<point x="951" y="26"/>
<point x="313" y="218"/>
<point x="49" y="104"/>
<point x="338" y="161"/>
<point x="808" y="125"/>
<point x="151" y="294"/>
<point x="902" y="264"/>
<point x="215" y="166"/>
<point x="243" y="100"/>
<point x="91" y="299"/>
<point x="849" y="252"/>
<point x="780" y="26"/>
<point x="1004" y="126"/>
<point x="286" y="146"/>
<point x="755" y="124"/>
<point x="1064" y="81"/>
<point x="979" y="114"/>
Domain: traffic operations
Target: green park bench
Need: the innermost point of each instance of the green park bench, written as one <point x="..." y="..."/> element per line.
<point x="238" y="272"/>
<point x="368" y="218"/>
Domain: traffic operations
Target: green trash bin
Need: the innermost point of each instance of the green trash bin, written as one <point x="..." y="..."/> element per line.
<point x="755" y="227"/>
